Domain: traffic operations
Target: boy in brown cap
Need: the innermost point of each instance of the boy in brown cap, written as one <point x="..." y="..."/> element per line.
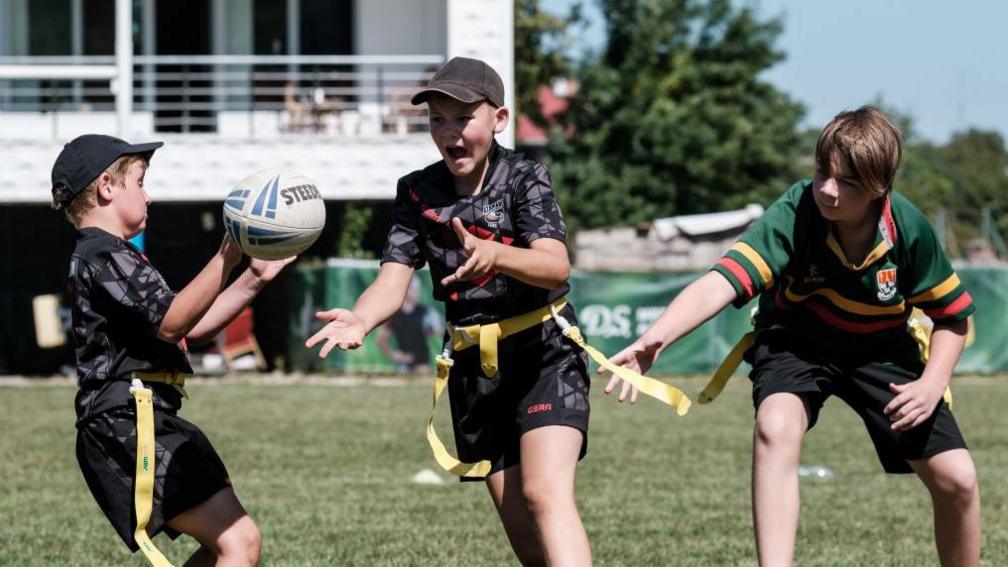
<point x="486" y="220"/>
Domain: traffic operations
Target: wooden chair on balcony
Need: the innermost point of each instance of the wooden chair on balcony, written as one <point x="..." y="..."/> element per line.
<point x="237" y="339"/>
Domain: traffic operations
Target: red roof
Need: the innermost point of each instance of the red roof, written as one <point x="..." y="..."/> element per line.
<point x="551" y="106"/>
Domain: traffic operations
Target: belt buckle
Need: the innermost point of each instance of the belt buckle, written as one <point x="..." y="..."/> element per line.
<point x="462" y="337"/>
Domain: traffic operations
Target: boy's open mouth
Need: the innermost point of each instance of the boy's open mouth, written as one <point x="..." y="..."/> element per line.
<point x="456" y="152"/>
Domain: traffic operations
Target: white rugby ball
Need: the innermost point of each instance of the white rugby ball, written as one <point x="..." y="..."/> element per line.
<point x="274" y="214"/>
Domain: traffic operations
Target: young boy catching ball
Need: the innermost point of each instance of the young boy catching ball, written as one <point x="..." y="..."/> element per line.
<point x="148" y="469"/>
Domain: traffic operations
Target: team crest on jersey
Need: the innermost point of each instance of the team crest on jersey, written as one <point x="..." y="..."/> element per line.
<point x="885" y="280"/>
<point x="493" y="212"/>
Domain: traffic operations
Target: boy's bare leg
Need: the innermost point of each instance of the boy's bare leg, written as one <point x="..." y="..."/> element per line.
<point x="506" y="491"/>
<point x="781" y="422"/>
<point x="549" y="457"/>
<point x="955" y="494"/>
<point x="227" y="534"/>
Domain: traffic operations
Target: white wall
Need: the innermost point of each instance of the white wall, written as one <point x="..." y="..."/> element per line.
<point x="401" y="27"/>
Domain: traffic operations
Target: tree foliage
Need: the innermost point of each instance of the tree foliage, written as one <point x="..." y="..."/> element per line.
<point x="672" y="117"/>
<point x="541" y="43"/>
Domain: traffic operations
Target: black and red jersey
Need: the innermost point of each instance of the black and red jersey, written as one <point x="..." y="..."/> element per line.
<point x="119" y="300"/>
<point x="515" y="206"/>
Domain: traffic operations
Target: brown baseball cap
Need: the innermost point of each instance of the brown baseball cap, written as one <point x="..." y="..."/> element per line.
<point x="465" y="80"/>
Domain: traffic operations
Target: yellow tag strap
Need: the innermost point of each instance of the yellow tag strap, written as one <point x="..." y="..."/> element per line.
<point x="441" y="454"/>
<point x="923" y="338"/>
<point x="143" y="494"/>
<point x="488" y="337"/>
<point x="727" y="368"/>
<point x="655" y="388"/>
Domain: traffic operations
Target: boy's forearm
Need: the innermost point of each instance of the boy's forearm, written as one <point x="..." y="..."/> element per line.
<point x="226" y="307"/>
<point x="701" y="300"/>
<point x="384" y="297"/>
<point x="194" y="300"/>
<point x="547" y="269"/>
<point x="947" y="342"/>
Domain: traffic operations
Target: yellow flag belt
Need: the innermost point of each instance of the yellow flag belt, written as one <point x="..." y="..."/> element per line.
<point x="734" y="359"/>
<point x="487" y="337"/>
<point x="143" y="492"/>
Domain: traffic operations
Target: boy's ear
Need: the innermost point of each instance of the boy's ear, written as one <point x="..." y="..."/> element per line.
<point x="104" y="188"/>
<point x="501" y="116"/>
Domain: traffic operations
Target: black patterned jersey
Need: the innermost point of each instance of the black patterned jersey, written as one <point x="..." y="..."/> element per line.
<point x="119" y="300"/>
<point x="515" y="207"/>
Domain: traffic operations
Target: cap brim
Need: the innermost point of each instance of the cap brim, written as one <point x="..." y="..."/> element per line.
<point x="142" y="149"/>
<point x="460" y="93"/>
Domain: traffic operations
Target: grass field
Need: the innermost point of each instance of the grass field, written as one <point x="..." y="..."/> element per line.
<point x="326" y="470"/>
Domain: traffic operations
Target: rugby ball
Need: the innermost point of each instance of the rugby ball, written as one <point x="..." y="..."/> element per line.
<point x="274" y="214"/>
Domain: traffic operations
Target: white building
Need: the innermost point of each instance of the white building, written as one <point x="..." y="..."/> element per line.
<point x="318" y="86"/>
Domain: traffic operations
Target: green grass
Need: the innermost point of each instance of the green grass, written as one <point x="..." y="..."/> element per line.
<point x="325" y="472"/>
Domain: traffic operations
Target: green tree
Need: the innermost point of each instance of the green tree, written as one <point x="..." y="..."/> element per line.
<point x="923" y="176"/>
<point x="978" y="164"/>
<point x="354" y="227"/>
<point x="672" y="116"/>
<point x="542" y="42"/>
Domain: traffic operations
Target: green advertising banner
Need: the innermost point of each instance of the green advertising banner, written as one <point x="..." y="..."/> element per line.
<point x="613" y="309"/>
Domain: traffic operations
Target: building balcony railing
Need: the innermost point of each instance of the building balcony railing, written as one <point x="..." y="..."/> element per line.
<point x="242" y="95"/>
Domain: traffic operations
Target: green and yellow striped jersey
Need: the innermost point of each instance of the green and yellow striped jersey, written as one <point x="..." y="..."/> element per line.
<point x="791" y="258"/>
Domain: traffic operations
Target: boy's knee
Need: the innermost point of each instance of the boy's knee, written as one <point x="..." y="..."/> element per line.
<point x="540" y="497"/>
<point x="242" y="542"/>
<point x="959" y="485"/>
<point x="775" y="430"/>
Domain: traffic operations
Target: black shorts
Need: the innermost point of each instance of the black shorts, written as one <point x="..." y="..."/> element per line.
<point x="187" y="469"/>
<point x="782" y="362"/>
<point x="542" y="380"/>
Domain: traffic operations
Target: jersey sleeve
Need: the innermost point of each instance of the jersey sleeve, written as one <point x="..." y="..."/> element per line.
<point x="403" y="243"/>
<point x="754" y="263"/>
<point x="933" y="285"/>
<point x="536" y="211"/>
<point x="136" y="287"/>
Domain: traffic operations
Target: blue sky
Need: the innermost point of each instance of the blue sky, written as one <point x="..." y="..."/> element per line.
<point x="944" y="63"/>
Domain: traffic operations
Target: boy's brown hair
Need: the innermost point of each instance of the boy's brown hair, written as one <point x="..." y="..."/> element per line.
<point x="865" y="143"/>
<point x="88" y="199"/>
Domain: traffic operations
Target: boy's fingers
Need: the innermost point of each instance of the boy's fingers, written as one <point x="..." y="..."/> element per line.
<point x="623" y="391"/>
<point x="905" y="422"/>
<point x="633" y="394"/>
<point x="897" y="388"/>
<point x="460" y="230"/>
<point x="894" y="404"/>
<point x="460" y="274"/>
<point x="612" y="384"/>
<point x="327" y="348"/>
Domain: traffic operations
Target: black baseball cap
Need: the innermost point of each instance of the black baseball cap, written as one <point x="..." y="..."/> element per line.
<point x="466" y="80"/>
<point x="85" y="158"/>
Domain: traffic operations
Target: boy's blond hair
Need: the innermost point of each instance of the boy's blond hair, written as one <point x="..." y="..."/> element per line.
<point x="88" y="198"/>
<point x="865" y="143"/>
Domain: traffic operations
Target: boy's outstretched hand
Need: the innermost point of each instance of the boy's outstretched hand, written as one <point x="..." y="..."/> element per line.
<point x="639" y="357"/>
<point x="343" y="331"/>
<point x="482" y="255"/>
<point x="266" y="270"/>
